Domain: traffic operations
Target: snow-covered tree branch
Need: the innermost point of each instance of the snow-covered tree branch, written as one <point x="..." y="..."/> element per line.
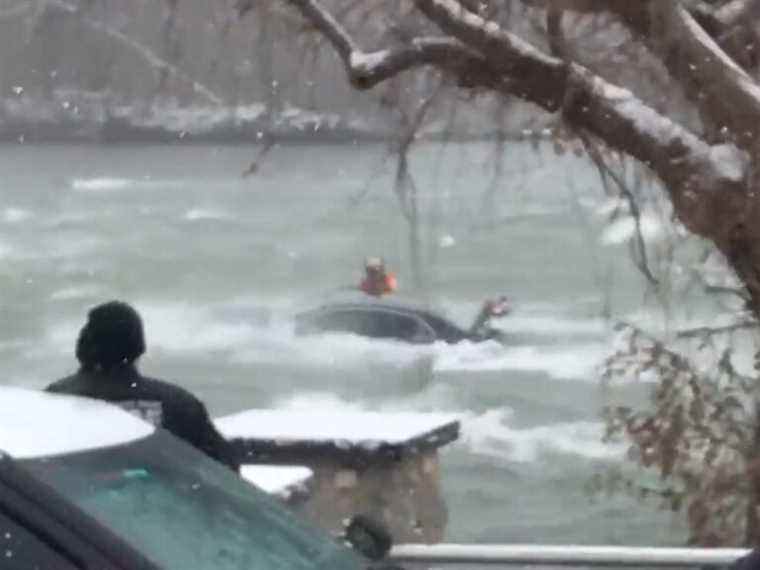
<point x="704" y="152"/>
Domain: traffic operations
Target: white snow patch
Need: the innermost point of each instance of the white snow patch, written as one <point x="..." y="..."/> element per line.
<point x="624" y="228"/>
<point x="728" y="162"/>
<point x="352" y="427"/>
<point x="276" y="479"/>
<point x="362" y="62"/>
<point x="37" y="424"/>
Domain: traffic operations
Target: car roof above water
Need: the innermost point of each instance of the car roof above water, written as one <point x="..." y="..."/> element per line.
<point x="39" y="424"/>
<point x="356" y="300"/>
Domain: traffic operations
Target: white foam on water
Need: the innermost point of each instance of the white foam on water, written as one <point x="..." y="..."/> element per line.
<point x="249" y="338"/>
<point x="170" y="327"/>
<point x="73" y="246"/>
<point x="16" y="215"/>
<point x="85" y="291"/>
<point x="546" y="318"/>
<point x="624" y="228"/>
<point x="101" y="184"/>
<point x="574" y="362"/>
<point x="108" y="184"/>
<point x="279" y="343"/>
<point x="274" y="342"/>
<point x="182" y="327"/>
<point x="198" y="214"/>
<point x="71" y="218"/>
<point x="6" y="251"/>
<point x="62" y="336"/>
<point x="322" y="401"/>
<point x="488" y="433"/>
<point x="550" y="325"/>
<point x="446" y="241"/>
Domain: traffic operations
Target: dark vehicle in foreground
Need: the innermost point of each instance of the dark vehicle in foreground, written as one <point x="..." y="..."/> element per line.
<point x="389" y="318"/>
<point x="85" y="485"/>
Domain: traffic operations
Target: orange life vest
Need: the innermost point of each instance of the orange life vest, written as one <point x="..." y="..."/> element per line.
<point x="388" y="284"/>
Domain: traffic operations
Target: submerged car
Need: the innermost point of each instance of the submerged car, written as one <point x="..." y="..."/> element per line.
<point x="389" y="318"/>
<point x="85" y="485"/>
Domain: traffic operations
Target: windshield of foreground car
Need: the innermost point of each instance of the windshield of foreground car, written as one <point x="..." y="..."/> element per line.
<point x="187" y="512"/>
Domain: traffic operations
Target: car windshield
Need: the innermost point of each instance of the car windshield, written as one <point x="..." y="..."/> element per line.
<point x="187" y="512"/>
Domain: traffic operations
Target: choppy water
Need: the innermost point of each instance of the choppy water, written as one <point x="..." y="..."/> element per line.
<point x="218" y="264"/>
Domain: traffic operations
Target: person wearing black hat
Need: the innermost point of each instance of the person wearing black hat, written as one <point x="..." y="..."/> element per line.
<point x="108" y="347"/>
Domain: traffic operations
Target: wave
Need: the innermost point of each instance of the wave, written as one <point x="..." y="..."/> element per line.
<point x="85" y="291"/>
<point x="101" y="184"/>
<point x="198" y="214"/>
<point x="487" y="433"/>
<point x="250" y="333"/>
<point x="107" y="184"/>
<point x="490" y="434"/>
<point x="16" y="215"/>
<point x="573" y="362"/>
<point x="552" y="325"/>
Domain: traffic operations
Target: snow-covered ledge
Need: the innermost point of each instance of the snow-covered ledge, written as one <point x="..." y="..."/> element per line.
<point x="381" y="464"/>
<point x="288" y="482"/>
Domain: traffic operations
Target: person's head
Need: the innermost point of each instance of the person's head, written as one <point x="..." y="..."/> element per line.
<point x="113" y="335"/>
<point x="374" y="267"/>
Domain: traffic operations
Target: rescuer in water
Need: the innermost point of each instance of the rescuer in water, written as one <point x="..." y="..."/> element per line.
<point x="377" y="281"/>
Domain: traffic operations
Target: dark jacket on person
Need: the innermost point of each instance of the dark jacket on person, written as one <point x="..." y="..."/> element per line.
<point x="160" y="403"/>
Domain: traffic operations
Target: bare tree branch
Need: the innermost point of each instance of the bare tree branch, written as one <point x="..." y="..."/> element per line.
<point x="688" y="166"/>
<point x="148" y="55"/>
<point x="703" y="331"/>
<point x="366" y="69"/>
<point x="723" y="91"/>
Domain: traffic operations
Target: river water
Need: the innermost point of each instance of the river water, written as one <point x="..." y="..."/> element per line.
<point x="218" y="264"/>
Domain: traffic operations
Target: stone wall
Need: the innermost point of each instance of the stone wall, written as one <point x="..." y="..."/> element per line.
<point x="404" y="494"/>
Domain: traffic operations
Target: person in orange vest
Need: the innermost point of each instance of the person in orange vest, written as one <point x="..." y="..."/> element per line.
<point x="377" y="282"/>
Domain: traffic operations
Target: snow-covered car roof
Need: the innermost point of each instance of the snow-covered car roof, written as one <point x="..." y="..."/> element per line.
<point x="39" y="424"/>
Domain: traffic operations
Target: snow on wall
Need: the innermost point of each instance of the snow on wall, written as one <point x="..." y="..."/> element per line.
<point x="351" y="428"/>
<point x="276" y="479"/>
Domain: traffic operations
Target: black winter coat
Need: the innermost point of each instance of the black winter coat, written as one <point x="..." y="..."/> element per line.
<point x="158" y="402"/>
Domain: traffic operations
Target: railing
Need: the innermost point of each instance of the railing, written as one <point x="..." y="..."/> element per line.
<point x="525" y="554"/>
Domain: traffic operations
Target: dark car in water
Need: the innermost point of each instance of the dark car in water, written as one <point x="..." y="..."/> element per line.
<point x="85" y="485"/>
<point x="388" y="318"/>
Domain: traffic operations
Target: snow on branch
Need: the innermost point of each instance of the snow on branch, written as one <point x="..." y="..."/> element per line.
<point x="489" y="56"/>
<point x="367" y="69"/>
<point x="729" y="95"/>
<point x="477" y="32"/>
<point x="321" y="18"/>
